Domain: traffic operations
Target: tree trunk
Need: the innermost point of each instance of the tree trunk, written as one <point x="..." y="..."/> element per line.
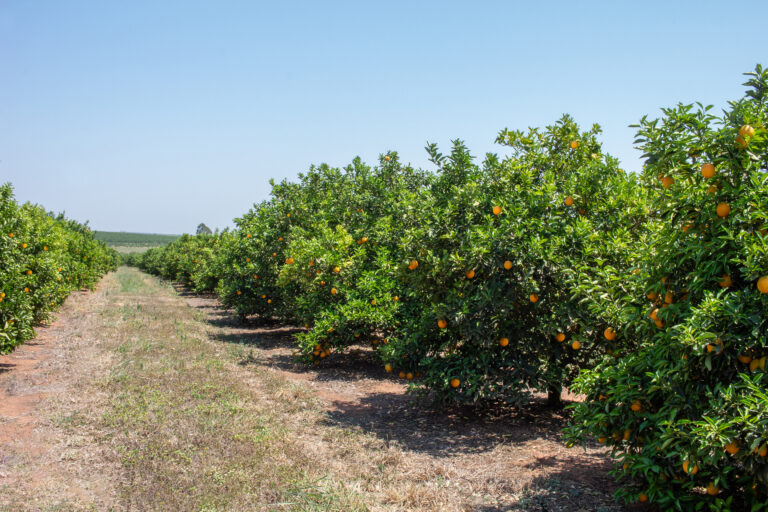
<point x="553" y="396"/>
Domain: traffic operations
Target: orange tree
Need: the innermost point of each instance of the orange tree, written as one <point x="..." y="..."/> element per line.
<point x="342" y="257"/>
<point x="489" y="263"/>
<point x="42" y="259"/>
<point x="190" y="260"/>
<point x="686" y="413"/>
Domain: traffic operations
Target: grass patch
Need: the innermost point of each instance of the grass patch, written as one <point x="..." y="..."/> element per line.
<point x="190" y="434"/>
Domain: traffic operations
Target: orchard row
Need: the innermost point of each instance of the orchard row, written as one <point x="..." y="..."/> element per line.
<point x="43" y="258"/>
<point x="549" y="267"/>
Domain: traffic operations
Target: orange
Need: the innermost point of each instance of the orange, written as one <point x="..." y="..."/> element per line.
<point x="364" y="239"/>
<point x="470" y="274"/>
<point x="694" y="469"/>
<point x="533" y="297"/>
<point x="10" y="235"/>
<point x="504" y="342"/>
<point x="763" y="451"/>
<point x="248" y="235"/>
<point x="708" y="171"/>
<point x="455" y="383"/>
<point x="497" y="210"/>
<point x="322" y="283"/>
<point x="643" y="497"/>
<point x="239" y="292"/>
<point x="669" y="297"/>
<point x="269" y="301"/>
<point x="576" y="345"/>
<point x="280" y="239"/>
<point x="627" y="433"/>
<point x="289" y="261"/>
<point x="395" y="298"/>
<point x="654" y="313"/>
<point x="409" y="376"/>
<point x="560" y="337"/>
<point x="247" y="260"/>
<point x="723" y="209"/>
<point x="373" y="302"/>
<point x="287" y="214"/>
<point x="687" y="227"/>
<point x="667" y="181"/>
<point x="725" y="281"/>
<point x="274" y="254"/>
<point x="610" y="334"/>
<point x="401" y="375"/>
<point x="569" y="201"/>
<point x="387" y="158"/>
<point x="745" y="359"/>
<point x="311" y="263"/>
<point x="336" y="269"/>
<point x="508" y="265"/>
<point x="29" y="272"/>
<point x="762" y="284"/>
<point x="732" y="447"/>
<point x="659" y="323"/>
<point x="712" y="489"/>
<point x="255" y="277"/>
<point x="413" y="264"/>
<point x="636" y="406"/>
<point x="442" y="323"/>
<point x="741" y="142"/>
<point x="574" y="144"/>
<point x="652" y="295"/>
<point x="23" y="246"/>
<point x="746" y="131"/>
<point x="333" y="291"/>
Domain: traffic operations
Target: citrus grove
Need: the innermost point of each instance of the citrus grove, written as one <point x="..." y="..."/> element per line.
<point x="43" y="258"/>
<point x="550" y="267"/>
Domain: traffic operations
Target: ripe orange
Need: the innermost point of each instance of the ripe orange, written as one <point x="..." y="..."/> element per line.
<point x="576" y="345"/>
<point x="642" y="498"/>
<point x="442" y="323"/>
<point x="255" y="276"/>
<point x="732" y="447"/>
<point x="413" y="265"/>
<point x="388" y="368"/>
<point x="560" y="337"/>
<point x="289" y="261"/>
<point x="263" y="296"/>
<point x="654" y="313"/>
<point x="10" y="235"/>
<point x="744" y="358"/>
<point x="29" y="272"/>
<point x="712" y="489"/>
<point x="247" y="260"/>
<point x="652" y="296"/>
<point x="741" y="142"/>
<point x="373" y="302"/>
<point x="280" y="239"/>
<point x="395" y="298"/>
<point x="507" y="265"/>
<point x="504" y="342"/>
<point x="23" y="246"/>
<point x="569" y="201"/>
<point x="667" y="181"/>
<point x="659" y="323"/>
<point x="269" y="301"/>
<point x="497" y="210"/>
<point x="334" y="291"/>
<point x="636" y="406"/>
<point x="401" y="375"/>
<point x="455" y="383"/>
<point x="723" y="209"/>
<point x="239" y="292"/>
<point x="708" y="170"/>
<point x="762" y="284"/>
<point x="409" y="376"/>
<point x="387" y="158"/>
<point x="364" y="239"/>
<point x="574" y="144"/>
<point x="470" y="274"/>
<point x="669" y="297"/>
<point x="746" y="131"/>
<point x="610" y="334"/>
<point x="274" y="255"/>
<point x="533" y="297"/>
<point x="725" y="281"/>
<point x="763" y="451"/>
<point x="248" y="235"/>
<point x="336" y="269"/>
<point x="627" y="433"/>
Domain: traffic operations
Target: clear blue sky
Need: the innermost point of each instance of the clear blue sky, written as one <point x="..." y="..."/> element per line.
<point x="155" y="116"/>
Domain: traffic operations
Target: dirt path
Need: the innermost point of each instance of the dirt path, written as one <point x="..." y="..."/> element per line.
<point x="143" y="397"/>
<point x="44" y="465"/>
<point x="515" y="461"/>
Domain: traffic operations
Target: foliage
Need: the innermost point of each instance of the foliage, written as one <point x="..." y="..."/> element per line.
<point x="42" y="259"/>
<point x="686" y="413"/>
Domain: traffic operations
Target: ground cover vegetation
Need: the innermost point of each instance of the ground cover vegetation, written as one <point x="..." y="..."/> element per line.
<point x="43" y="257"/>
<point x="546" y="268"/>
